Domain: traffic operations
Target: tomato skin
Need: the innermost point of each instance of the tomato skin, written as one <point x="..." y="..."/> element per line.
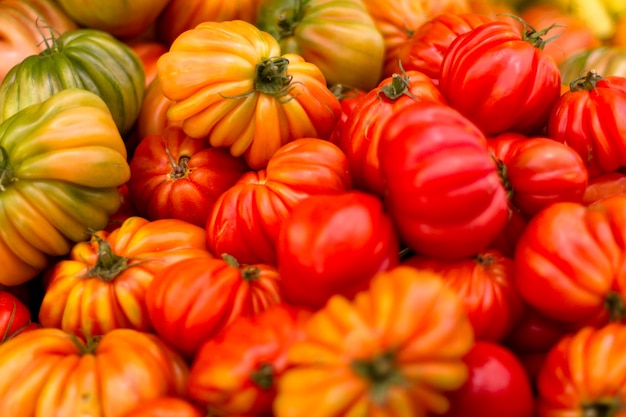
<point x="175" y="176"/>
<point x="360" y="134"/>
<point x="604" y="185"/>
<point x="520" y="100"/>
<point x="166" y="407"/>
<point x="433" y="160"/>
<point x="192" y="301"/>
<point x="334" y="244"/>
<point x="539" y="171"/>
<point x="498" y="385"/>
<point x="535" y="333"/>
<point x="15" y="316"/>
<point x="245" y="220"/>
<point x="587" y="118"/>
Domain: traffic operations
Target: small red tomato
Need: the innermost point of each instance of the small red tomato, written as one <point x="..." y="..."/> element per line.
<point x="334" y="244"/>
<point x="498" y="385"/>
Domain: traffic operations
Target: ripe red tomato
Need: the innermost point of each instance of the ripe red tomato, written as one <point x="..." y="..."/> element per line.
<point x="442" y="188"/>
<point x="15" y="317"/>
<point x="604" y="185"/>
<point x="498" y="385"/>
<point x="500" y="78"/>
<point x="334" y="244"/>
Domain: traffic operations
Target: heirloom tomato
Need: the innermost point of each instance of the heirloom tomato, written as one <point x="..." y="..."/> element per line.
<point x="334" y="244"/>
<point x="102" y="285"/>
<point x="360" y="133"/>
<point x="484" y="283"/>
<point x="166" y="407"/>
<point x="52" y="372"/>
<point x="21" y="32"/>
<point x="589" y="119"/>
<point x="538" y="171"/>
<point x="425" y="49"/>
<point x="230" y="82"/>
<point x="236" y="372"/>
<point x="15" y="316"/>
<point x="339" y="36"/>
<point x="585" y="375"/>
<point x="501" y="79"/>
<point x="442" y="188"/>
<point x="397" y="21"/>
<point x="498" y="385"/>
<point x="76" y="59"/>
<point x="61" y="163"/>
<point x="605" y="185"/>
<point x="245" y="220"/>
<point x="396" y="349"/>
<point x="568" y="262"/>
<point x="120" y="18"/>
<point x="175" y="176"/>
<point x="152" y="117"/>
<point x="192" y="301"/>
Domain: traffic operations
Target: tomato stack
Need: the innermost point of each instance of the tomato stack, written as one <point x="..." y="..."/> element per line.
<point x="312" y="208"/>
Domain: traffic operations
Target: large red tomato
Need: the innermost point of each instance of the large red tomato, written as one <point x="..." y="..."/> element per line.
<point x="498" y="385"/>
<point x="175" y="176"/>
<point x="605" y="185"/>
<point x="14" y="316"/>
<point x="500" y="78"/>
<point x="246" y="219"/>
<point x="442" y="188"/>
<point x="334" y="244"/>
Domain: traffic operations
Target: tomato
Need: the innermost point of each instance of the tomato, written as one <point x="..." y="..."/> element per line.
<point x="396" y="349"/>
<point x="166" y="407"/>
<point x="192" y="301"/>
<point x="425" y="49"/>
<point x="236" y="372"/>
<point x="20" y="29"/>
<point x="604" y="185"/>
<point x="497" y="385"/>
<point x="360" y="134"/>
<point x="501" y="79"/>
<point x="348" y="99"/>
<point x="175" y="176"/>
<point x="152" y="117"/>
<point x="587" y="118"/>
<point x="61" y="163"/>
<point x="334" y="244"/>
<point x="585" y="374"/>
<point x="126" y="210"/>
<point x="230" y="82"/>
<point x="507" y="239"/>
<point x="433" y="162"/>
<point x="484" y="283"/>
<point x="149" y="52"/>
<point x="338" y="36"/>
<point x="15" y="316"/>
<point x="76" y="59"/>
<point x="535" y="333"/>
<point x="246" y="219"/>
<point x="52" y="371"/>
<point x="539" y="171"/>
<point x="102" y="285"/>
<point x="568" y="262"/>
<point x="121" y="18"/>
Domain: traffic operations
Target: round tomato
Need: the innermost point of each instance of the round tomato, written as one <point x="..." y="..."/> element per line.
<point x="501" y="79"/>
<point x="498" y="385"/>
<point x="442" y="188"/>
<point x="14" y="316"/>
<point x="334" y="244"/>
<point x="178" y="177"/>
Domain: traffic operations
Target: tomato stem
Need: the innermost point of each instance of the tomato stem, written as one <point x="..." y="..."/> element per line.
<point x="248" y="272"/>
<point x="615" y="304"/>
<point x="382" y="373"/>
<point x="263" y="376"/>
<point x="289" y="18"/>
<point x="533" y="36"/>
<point x="108" y="265"/>
<point x="88" y="347"/>
<point x="179" y="169"/>
<point x="6" y="173"/>
<point x="585" y="83"/>
<point x="272" y="78"/>
<point x="602" y="408"/>
<point x="52" y="44"/>
<point x="398" y="87"/>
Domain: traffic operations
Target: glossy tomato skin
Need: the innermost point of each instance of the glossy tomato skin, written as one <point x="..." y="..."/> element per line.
<point x="588" y="119"/>
<point x="15" y="316"/>
<point x="498" y="385"/>
<point x="166" y="407"/>
<point x="334" y="244"/>
<point x="176" y="176"/>
<point x="499" y="80"/>
<point x="605" y="185"/>
<point x="442" y="188"/>
<point x="539" y="171"/>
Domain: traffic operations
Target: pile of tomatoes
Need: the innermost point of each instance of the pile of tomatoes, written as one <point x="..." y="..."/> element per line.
<point x="311" y="208"/>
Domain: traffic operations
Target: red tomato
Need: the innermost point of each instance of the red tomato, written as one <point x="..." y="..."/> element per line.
<point x="334" y="244"/>
<point x="15" y="317"/>
<point x="176" y="176"/>
<point x="535" y="333"/>
<point x="589" y="118"/>
<point x="538" y="171"/>
<point x="348" y="98"/>
<point x="500" y="78"/>
<point x="126" y="210"/>
<point x="442" y="187"/>
<point x="498" y="385"/>
<point x="605" y="185"/>
<point x="507" y="240"/>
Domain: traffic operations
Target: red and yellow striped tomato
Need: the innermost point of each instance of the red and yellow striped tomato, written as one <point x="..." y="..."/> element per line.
<point x="231" y="84"/>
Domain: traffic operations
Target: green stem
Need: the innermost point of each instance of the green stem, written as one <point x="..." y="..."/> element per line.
<point x="615" y="304"/>
<point x="108" y="265"/>
<point x="290" y="17"/>
<point x="398" y="87"/>
<point x="603" y="408"/>
<point x="263" y="376"/>
<point x="179" y="169"/>
<point x="381" y="372"/>
<point x="585" y="83"/>
<point x="6" y="173"/>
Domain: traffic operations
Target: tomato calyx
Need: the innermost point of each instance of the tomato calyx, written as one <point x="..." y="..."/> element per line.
<point x="602" y="408"/>
<point x="614" y="303"/>
<point x="398" y="87"/>
<point x="271" y="78"/>
<point x="263" y="376"/>
<point x="179" y="169"/>
<point x="108" y="264"/>
<point x="587" y="82"/>
<point x="382" y="374"/>
<point x="534" y="36"/>
<point x="88" y="346"/>
<point x="6" y="173"/>
<point x="504" y="177"/>
<point x="248" y="272"/>
<point x="51" y="40"/>
<point x="288" y="19"/>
